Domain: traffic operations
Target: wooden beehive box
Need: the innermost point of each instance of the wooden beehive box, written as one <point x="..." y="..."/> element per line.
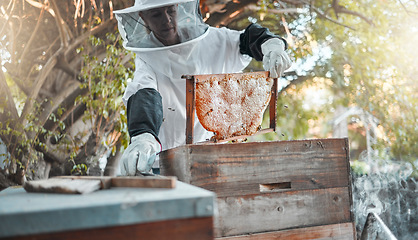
<point x="271" y="190"/>
<point x="181" y="212"/>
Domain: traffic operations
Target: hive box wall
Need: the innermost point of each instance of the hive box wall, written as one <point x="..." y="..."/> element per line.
<point x="269" y="186"/>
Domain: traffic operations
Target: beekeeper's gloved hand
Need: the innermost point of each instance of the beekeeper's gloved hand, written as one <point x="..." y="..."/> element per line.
<point x="140" y="155"/>
<point x="275" y="58"/>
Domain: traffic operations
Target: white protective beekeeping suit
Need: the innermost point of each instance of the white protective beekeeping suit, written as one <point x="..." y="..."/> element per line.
<point x="198" y="49"/>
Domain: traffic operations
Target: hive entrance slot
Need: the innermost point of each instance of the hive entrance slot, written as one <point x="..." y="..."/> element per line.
<point x="275" y="187"/>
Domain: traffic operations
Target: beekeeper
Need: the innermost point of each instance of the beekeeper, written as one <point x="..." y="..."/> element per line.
<point x="170" y="39"/>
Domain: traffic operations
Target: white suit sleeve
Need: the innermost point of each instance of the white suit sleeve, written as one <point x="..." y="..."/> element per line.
<point x="144" y="77"/>
<point x="234" y="60"/>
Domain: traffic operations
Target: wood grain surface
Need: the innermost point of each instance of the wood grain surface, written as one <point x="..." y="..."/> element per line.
<point x="88" y="184"/>
<point x="244" y="168"/>
<point x="272" y="190"/>
<point x="341" y="231"/>
<point x="279" y="211"/>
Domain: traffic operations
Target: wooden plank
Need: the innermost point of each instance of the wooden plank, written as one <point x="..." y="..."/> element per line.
<point x="340" y="231"/>
<point x="178" y="229"/>
<point x="155" y="181"/>
<point x="88" y="184"/>
<point x="284" y="210"/>
<point x="62" y="185"/>
<point x="145" y="182"/>
<point x="208" y="77"/>
<point x="244" y="168"/>
<point x="262" y="131"/>
<point x="105" y="181"/>
<point x="190" y="107"/>
<point x="272" y="105"/>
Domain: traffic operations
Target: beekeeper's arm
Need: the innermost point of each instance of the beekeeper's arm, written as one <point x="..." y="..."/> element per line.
<point x="259" y="43"/>
<point x="145" y="116"/>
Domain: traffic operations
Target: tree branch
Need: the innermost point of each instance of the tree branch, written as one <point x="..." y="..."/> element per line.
<point x="323" y="15"/>
<point x="77" y="42"/>
<point x="217" y="19"/>
<point x="6" y="97"/>
<point x="406" y="9"/>
<point x="12" y="141"/>
<point x="71" y="91"/>
<point x="15" y="78"/>
<point x="255" y="8"/>
<point x="32" y="37"/>
<point x="298" y="80"/>
<point x="40" y="5"/>
<point x="55" y="61"/>
<point x="251" y="8"/>
<point x="60" y="24"/>
<point x="8" y="16"/>
<point x="64" y="66"/>
<point x="40" y="80"/>
<point x="341" y="9"/>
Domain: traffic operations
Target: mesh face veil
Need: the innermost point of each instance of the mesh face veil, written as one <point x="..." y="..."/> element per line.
<point x="155" y="24"/>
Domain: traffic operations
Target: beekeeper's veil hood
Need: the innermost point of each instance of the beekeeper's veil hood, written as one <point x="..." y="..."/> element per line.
<point x="156" y="24"/>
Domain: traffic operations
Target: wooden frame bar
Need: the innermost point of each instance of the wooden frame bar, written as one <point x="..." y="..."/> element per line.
<point x="191" y="81"/>
<point x="272" y="105"/>
<point x="190" y="107"/>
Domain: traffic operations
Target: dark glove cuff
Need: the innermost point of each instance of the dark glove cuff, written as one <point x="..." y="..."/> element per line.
<point x="252" y="38"/>
<point x="145" y="112"/>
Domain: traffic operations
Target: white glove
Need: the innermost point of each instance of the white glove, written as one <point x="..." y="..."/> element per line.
<point x="140" y="155"/>
<point x="275" y="58"/>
